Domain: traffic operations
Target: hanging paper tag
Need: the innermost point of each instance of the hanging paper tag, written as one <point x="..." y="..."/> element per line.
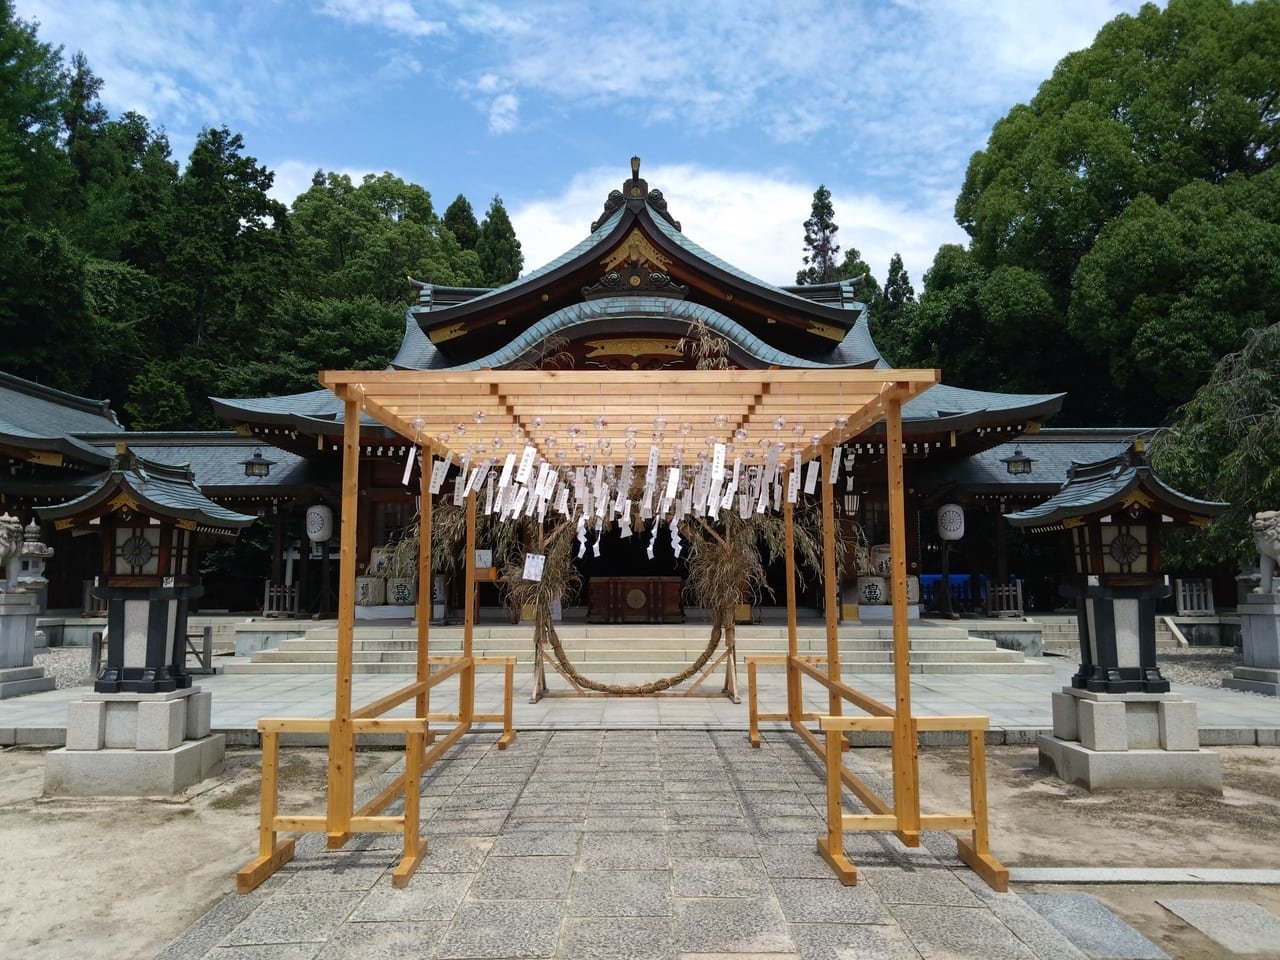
<point x="438" y="470"/>
<point x="562" y="501"/>
<point x="582" y="536"/>
<point x="595" y="547"/>
<point x="507" y="466"/>
<point x="477" y="478"/>
<point x="526" y="463"/>
<point x="624" y="522"/>
<point x="673" y="481"/>
<point x="717" y="462"/>
<point x="488" y="495"/>
<point x="744" y="506"/>
<point x="651" y="473"/>
<point x="408" y="466"/>
<point x="518" y="503"/>
<point x="811" y="477"/>
<point x="833" y="463"/>
<point x="459" y="489"/>
<point x="533" y="564"/>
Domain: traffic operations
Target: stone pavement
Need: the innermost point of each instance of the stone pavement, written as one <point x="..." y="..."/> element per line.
<point x="629" y="844"/>
<point x="648" y="827"/>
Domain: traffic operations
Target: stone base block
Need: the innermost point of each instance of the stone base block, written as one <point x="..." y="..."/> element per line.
<point x="132" y="773"/>
<point x="1199" y="770"/>
<point x="19" y="681"/>
<point x="1254" y="680"/>
<point x="1119" y="722"/>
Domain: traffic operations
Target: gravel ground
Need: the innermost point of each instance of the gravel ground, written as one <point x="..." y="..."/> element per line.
<point x="1189" y="666"/>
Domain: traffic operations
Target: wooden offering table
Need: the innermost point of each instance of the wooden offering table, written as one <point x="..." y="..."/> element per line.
<point x="634" y="600"/>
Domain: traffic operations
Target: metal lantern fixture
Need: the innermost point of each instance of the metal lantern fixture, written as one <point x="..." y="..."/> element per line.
<point x="257" y="465"/>
<point x="1018" y="464"/>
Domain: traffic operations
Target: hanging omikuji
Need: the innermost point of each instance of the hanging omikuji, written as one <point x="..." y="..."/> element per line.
<point x="595" y="497"/>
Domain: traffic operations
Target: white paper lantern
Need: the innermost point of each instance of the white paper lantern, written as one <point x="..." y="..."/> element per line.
<point x="951" y="521"/>
<point x="319" y="523"/>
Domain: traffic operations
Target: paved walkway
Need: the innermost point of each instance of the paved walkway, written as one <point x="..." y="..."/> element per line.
<point x="629" y="844"/>
<point x="648" y="828"/>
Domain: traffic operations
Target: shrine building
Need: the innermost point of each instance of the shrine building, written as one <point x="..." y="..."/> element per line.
<point x="636" y="294"/>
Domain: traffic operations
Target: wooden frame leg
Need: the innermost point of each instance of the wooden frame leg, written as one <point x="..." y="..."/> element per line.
<point x="415" y="847"/>
<point x="508" y="694"/>
<point x="975" y="851"/>
<point x="272" y="853"/>
<point x="831" y="846"/>
<point x="753" y="706"/>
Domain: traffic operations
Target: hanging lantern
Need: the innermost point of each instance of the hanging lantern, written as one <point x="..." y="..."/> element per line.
<point x="319" y="523"/>
<point x="951" y="521"/>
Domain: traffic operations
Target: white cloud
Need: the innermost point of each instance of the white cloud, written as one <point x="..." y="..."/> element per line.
<point x="395" y="16"/>
<point x="752" y="220"/>
<point x="504" y="113"/>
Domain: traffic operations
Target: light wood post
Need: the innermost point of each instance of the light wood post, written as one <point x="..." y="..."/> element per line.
<point x="342" y="741"/>
<point x="423" y="704"/>
<point x="906" y="770"/>
<point x="467" y="682"/>
<point x="830" y="589"/>
<point x="795" y="705"/>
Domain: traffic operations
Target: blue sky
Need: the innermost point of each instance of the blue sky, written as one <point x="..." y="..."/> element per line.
<point x="738" y="110"/>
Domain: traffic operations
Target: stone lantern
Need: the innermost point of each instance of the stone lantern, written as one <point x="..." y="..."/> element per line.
<point x="1117" y="724"/>
<point x="22" y="560"/>
<point x="148" y="516"/>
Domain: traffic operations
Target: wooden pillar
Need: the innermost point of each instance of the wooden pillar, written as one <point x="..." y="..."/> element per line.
<point x="1002" y="553"/>
<point x="342" y="742"/>
<point x="795" y="706"/>
<point x="906" y="775"/>
<point x="467" y="681"/>
<point x="277" y="544"/>
<point x="831" y="589"/>
<point x="424" y="581"/>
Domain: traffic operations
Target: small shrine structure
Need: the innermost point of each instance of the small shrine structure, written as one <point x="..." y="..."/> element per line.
<point x="1118" y="724"/>
<point x="144" y="704"/>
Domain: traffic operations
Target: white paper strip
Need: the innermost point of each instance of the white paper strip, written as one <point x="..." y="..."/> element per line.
<point x="506" y="469"/>
<point x="526" y="463"/>
<point x="438" y="470"/>
<point x="811" y="477"/>
<point x="834" y="463"/>
<point x="408" y="466"/>
<point x="651" y="473"/>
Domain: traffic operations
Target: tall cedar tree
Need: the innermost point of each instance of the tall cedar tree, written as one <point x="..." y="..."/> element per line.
<point x="497" y="246"/>
<point x="820" y="240"/>
<point x="461" y="221"/>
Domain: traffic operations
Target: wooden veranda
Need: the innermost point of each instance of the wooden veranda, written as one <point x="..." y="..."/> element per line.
<point x="618" y="414"/>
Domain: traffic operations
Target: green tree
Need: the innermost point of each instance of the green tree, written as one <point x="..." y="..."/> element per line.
<point x="1225" y="445"/>
<point x="820" y="240"/>
<point x="1152" y="132"/>
<point x="461" y="222"/>
<point x="497" y="246"/>
<point x="894" y="312"/>
<point x="33" y="168"/>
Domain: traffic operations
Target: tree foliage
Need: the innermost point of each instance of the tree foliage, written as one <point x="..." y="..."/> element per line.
<point x="497" y="246"/>
<point x="820" y="240"/>
<point x="1225" y="446"/>
<point x="1134" y="191"/>
<point x="127" y="275"/>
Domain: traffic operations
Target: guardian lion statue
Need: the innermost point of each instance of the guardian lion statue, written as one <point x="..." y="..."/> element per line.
<point x="1266" y="535"/>
<point x="10" y="552"/>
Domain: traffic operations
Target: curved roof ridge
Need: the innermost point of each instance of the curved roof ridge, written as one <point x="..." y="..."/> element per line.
<point x="650" y="307"/>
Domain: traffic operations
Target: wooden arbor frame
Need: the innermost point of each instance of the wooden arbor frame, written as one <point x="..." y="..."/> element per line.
<point x="824" y="408"/>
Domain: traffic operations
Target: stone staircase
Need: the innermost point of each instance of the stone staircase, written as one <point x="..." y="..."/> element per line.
<point x="649" y="649"/>
<point x="1061" y="636"/>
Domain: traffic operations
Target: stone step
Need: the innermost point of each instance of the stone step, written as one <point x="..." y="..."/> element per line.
<point x="675" y="645"/>
<point x="646" y="668"/>
<point x="694" y="631"/>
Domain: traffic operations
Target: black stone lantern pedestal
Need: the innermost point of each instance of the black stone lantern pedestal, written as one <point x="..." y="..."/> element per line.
<point x="1116" y="624"/>
<point x="146" y="639"/>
